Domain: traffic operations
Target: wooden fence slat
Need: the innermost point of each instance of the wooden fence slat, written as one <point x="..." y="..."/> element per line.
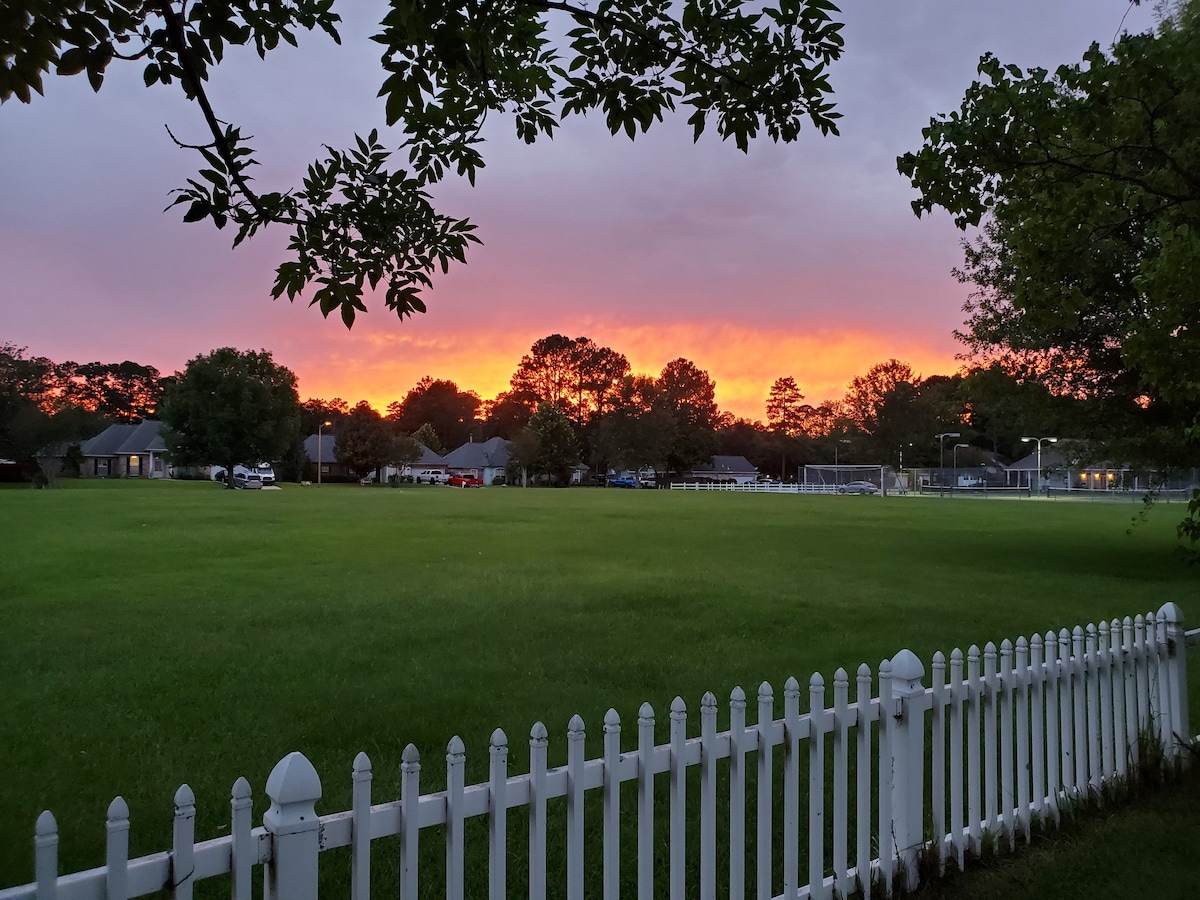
<point x="360" y="828"/>
<point x="456" y="767"/>
<point x="1007" y="743"/>
<point x="975" y="690"/>
<point x="183" y="865"/>
<point x="410" y="828"/>
<point x="1165" y="702"/>
<point x="763" y="810"/>
<point x="575" y="749"/>
<point x="1079" y="682"/>
<point x="45" y="855"/>
<point x="116" y="854"/>
<point x="1066" y="712"/>
<point x="791" y="787"/>
<point x="241" y="827"/>
<point x="1104" y="659"/>
<point x="841" y="787"/>
<point x="737" y="796"/>
<point x="1021" y="715"/>
<point x="887" y="727"/>
<point x="1117" y="656"/>
<point x="816" y="787"/>
<point x="937" y="770"/>
<point x="678" y="802"/>
<point x="991" y="759"/>
<point x="1037" y="731"/>
<point x="1092" y="668"/>
<point x="708" y="796"/>
<point x="646" y="802"/>
<point x="1050" y="695"/>
<point x="611" y="868"/>
<point x="498" y="816"/>
<point x="862" y="789"/>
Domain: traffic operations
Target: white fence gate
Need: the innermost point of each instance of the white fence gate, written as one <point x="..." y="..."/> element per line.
<point x="1058" y="715"/>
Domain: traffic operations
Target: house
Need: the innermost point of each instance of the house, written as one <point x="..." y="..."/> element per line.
<point x="486" y="460"/>
<point x="125" y="451"/>
<point x="724" y="468"/>
<point x="320" y="450"/>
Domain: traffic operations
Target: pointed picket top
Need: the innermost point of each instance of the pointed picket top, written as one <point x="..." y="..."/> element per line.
<point x="1102" y="628"/>
<point x="118" y="810"/>
<point x="1051" y="638"/>
<point x="1127" y="622"/>
<point x="184" y="799"/>
<point x="973" y="652"/>
<point x="1006" y="646"/>
<point x="46" y="825"/>
<point x="410" y="754"/>
<point x="678" y="708"/>
<point x="1090" y="631"/>
<point x="455" y="749"/>
<point x="737" y="697"/>
<point x="907" y="666"/>
<point x="956" y="655"/>
<point x="241" y="789"/>
<point x="1139" y="619"/>
<point x="791" y="686"/>
<point x="989" y="650"/>
<point x="645" y="714"/>
<point x="294" y="780"/>
<point x="575" y="726"/>
<point x="611" y="719"/>
<point x="1114" y="625"/>
<point x="817" y="680"/>
<point x="538" y="734"/>
<point x="362" y="764"/>
<point x="939" y="660"/>
<point x="840" y="677"/>
<point x="1077" y="631"/>
<point x="1022" y="644"/>
<point x="708" y="701"/>
<point x="499" y="740"/>
<point x="885" y="668"/>
<point x="864" y="671"/>
<point x="1064" y="635"/>
<point x="765" y="692"/>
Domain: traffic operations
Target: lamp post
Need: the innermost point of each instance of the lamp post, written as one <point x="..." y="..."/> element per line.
<point x="835" y="449"/>
<point x="319" y="427"/>
<point x="1040" y="441"/>
<point x="954" y="464"/>
<point x="941" y="439"/>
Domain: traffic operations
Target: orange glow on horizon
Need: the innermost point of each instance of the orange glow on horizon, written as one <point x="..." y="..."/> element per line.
<point x="381" y="366"/>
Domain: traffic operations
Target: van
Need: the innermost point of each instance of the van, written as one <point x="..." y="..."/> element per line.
<point x="263" y="472"/>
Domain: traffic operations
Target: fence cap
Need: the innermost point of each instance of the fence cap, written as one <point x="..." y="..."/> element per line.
<point x="294" y="788"/>
<point x="907" y="666"/>
<point x="1171" y="612"/>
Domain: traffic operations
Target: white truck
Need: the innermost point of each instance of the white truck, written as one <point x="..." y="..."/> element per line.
<point x="262" y="471"/>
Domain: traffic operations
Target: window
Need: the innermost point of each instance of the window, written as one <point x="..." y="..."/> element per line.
<point x="101" y="468"/>
<point x="135" y="465"/>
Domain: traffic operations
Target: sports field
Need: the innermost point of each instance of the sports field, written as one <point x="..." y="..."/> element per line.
<point x="160" y="633"/>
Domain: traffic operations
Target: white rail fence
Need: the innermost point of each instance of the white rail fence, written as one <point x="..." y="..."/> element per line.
<point x="754" y="487"/>
<point x="1058" y="715"/>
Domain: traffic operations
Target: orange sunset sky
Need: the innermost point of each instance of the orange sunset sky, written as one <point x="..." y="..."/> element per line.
<point x="801" y="260"/>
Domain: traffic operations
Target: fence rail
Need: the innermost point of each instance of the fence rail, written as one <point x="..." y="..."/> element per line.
<point x="1014" y="730"/>
<point x="754" y="487"/>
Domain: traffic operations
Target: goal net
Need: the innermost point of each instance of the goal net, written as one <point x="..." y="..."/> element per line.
<point x="836" y="475"/>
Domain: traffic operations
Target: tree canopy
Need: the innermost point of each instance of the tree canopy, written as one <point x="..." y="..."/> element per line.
<point x="229" y="408"/>
<point x="360" y="219"/>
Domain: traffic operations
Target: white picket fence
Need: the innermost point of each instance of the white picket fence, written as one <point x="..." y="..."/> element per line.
<point x="1057" y="716"/>
<point x="754" y="487"/>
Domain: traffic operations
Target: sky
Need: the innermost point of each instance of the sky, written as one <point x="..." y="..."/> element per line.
<point x="800" y="260"/>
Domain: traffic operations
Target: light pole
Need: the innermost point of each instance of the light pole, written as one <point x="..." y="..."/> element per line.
<point x="1040" y="441"/>
<point x="835" y="449"/>
<point x="941" y="439"/>
<point x="954" y="457"/>
<point x="319" y="427"/>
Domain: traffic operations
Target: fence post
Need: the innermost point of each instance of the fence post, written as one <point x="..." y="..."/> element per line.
<point x="294" y="788"/>
<point x="908" y="761"/>
<point x="1177" y="675"/>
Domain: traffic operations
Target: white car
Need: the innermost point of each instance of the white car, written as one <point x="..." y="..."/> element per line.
<point x="857" y="487"/>
<point x="431" y="476"/>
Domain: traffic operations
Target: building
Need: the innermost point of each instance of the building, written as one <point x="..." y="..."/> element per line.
<point x="125" y="451"/>
<point x="486" y="460"/>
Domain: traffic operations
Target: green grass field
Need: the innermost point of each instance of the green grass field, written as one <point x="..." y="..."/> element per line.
<point x="160" y="633"/>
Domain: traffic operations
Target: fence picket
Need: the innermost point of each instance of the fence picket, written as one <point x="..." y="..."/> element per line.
<point x="1079" y="702"/>
<point x="539" y="745"/>
<point x="646" y="802"/>
<point x="1117" y="658"/>
<point x="763" y="808"/>
<point x="937" y="772"/>
<point x="1092" y="668"/>
<point x="841" y="774"/>
<point x="678" y="806"/>
<point x="816" y="787"/>
<point x="1021" y="715"/>
<point x="974" y="758"/>
<point x="887" y="726"/>
<point x="1143" y="675"/>
<point x="1066" y="712"/>
<point x="456" y="767"/>
<point x="737" y="796"/>
<point x="1037" y="731"/>
<point x="45" y="855"/>
<point x="576" y="737"/>
<point x="708" y="796"/>
<point x="410" y="821"/>
<point x="957" y="698"/>
<point x="862" y="772"/>
<point x="183" y="866"/>
<point x="498" y="816"/>
<point x="991" y="759"/>
<point x="241" y="824"/>
<point x="1050" y="695"/>
<point x="1129" y="655"/>
<point x="116" y="855"/>
<point x="612" y="805"/>
<point x="360" y="828"/>
<point x="1104" y="660"/>
<point x="791" y="786"/>
<point x="1164" y="686"/>
<point x="1008" y="792"/>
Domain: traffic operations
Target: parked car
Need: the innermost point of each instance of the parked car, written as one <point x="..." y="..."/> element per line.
<point x="465" y="481"/>
<point x="857" y="487"/>
<point x="431" y="476"/>
<point x="263" y="471"/>
<point x="247" y="481"/>
<point x="623" y="481"/>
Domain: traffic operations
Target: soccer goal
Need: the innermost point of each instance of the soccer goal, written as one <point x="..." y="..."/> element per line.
<point x="834" y="477"/>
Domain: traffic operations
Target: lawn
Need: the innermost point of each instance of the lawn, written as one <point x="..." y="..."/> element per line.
<point x="170" y="632"/>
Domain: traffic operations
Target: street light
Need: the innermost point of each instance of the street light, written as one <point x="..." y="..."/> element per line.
<point x="941" y="439"/>
<point x="835" y="449"/>
<point x="319" y="427"/>
<point x="954" y="464"/>
<point x="1040" y="441"/>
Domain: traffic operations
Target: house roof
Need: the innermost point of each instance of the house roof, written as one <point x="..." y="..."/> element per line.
<point x="428" y="457"/>
<point x="727" y="465"/>
<point x="119" y="440"/>
<point x="327" y="443"/>
<point x="492" y="453"/>
<point x="1051" y="459"/>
